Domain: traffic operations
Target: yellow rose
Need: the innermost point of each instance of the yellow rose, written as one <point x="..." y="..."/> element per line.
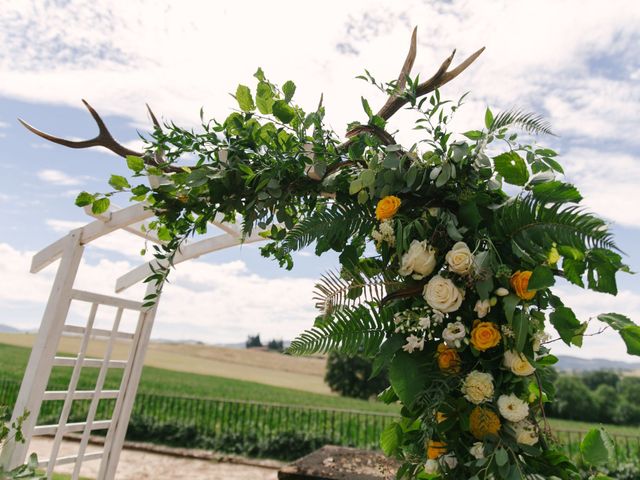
<point x="435" y="449"/>
<point x="485" y="335"/>
<point x="520" y="283"/>
<point x="448" y="359"/>
<point x="387" y="207"/>
<point x="483" y="422"/>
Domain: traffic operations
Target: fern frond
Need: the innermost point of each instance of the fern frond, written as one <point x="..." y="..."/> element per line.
<point x="333" y="292"/>
<point x="350" y="331"/>
<point x="531" y="225"/>
<point x="527" y="121"/>
<point x="337" y="223"/>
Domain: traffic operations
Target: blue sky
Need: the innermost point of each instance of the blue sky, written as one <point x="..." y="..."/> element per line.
<point x="576" y="62"/>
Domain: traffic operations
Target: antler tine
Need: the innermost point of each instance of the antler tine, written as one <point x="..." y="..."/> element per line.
<point x="103" y="139"/>
<point x="402" y="78"/>
<point x="153" y="117"/>
<point x="441" y="77"/>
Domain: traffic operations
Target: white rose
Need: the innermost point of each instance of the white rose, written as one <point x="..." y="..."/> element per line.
<point x="431" y="467"/>
<point x="453" y="334"/>
<point x="460" y="259"/>
<point x="482" y="308"/>
<point x="478" y="387"/>
<point x="441" y="294"/>
<point x="518" y="363"/>
<point x="419" y="260"/>
<point x="477" y="450"/>
<point x="525" y="433"/>
<point x="512" y="408"/>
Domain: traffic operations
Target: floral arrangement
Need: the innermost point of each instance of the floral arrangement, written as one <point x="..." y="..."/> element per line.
<point x="449" y="250"/>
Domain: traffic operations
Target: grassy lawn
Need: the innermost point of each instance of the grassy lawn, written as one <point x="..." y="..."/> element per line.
<point x="558" y="424"/>
<point x="167" y="382"/>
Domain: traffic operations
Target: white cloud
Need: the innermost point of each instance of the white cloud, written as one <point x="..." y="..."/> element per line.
<point x="57" y="177"/>
<point x="607" y="181"/>
<point x="214" y="303"/>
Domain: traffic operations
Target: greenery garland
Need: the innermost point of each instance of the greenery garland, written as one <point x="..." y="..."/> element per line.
<point x="445" y="277"/>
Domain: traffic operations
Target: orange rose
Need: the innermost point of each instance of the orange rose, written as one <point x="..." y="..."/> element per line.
<point x="448" y="359"/>
<point x="483" y="422"/>
<point x="435" y="449"/>
<point x="387" y="207"/>
<point x="520" y="283"/>
<point x="485" y="335"/>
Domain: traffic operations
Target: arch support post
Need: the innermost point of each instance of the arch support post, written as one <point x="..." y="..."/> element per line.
<point x="44" y="349"/>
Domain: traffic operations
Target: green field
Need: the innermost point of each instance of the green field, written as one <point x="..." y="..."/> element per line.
<point x="167" y="382"/>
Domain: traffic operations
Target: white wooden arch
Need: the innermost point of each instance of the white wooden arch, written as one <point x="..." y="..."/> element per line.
<point x="33" y="391"/>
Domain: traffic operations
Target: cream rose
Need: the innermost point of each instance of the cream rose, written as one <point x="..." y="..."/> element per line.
<point x="478" y="387"/>
<point x="518" y="363"/>
<point x="512" y="408"/>
<point x="482" y="308"/>
<point x="419" y="261"/>
<point x="442" y="295"/>
<point x="460" y="259"/>
<point x="525" y="433"/>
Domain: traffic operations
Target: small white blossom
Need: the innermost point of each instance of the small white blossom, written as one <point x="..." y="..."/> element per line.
<point x="502" y="292"/>
<point x="539" y="338"/>
<point x="413" y="343"/>
<point x="431" y="467"/>
<point x="424" y="322"/>
<point x="384" y="233"/>
<point x="450" y="460"/>
<point x="482" y="308"/>
<point x="477" y="450"/>
<point x="453" y="334"/>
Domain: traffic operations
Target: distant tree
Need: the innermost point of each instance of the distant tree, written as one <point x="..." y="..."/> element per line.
<point x="600" y="377"/>
<point x="277" y="345"/>
<point x="253" y="341"/>
<point x="629" y="388"/>
<point x="573" y="400"/>
<point x="626" y="413"/>
<point x="349" y="376"/>
<point x="607" y="400"/>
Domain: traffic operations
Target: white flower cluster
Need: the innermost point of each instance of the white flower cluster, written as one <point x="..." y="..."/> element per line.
<point x="418" y="322"/>
<point x="507" y="331"/>
<point x="384" y="233"/>
<point x="539" y="338"/>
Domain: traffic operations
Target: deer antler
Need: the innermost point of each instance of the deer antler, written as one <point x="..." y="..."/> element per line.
<point x="396" y="101"/>
<point x="103" y="139"/>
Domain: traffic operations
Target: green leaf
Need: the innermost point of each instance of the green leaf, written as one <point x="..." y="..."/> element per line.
<point x="615" y="320"/>
<point x="473" y="134"/>
<point x="509" y="304"/>
<point x="573" y="270"/>
<point x="135" y="163"/>
<point x="84" y="198"/>
<point x="259" y="74"/>
<point x="520" y="329"/>
<point x="556" y="192"/>
<point x="387" y="351"/>
<point x="283" y="111"/>
<point x="542" y="277"/>
<point x="566" y="323"/>
<point x="100" y="206"/>
<point x="367" y="108"/>
<point x="597" y="447"/>
<point x="631" y="337"/>
<point x="119" y="182"/>
<point x="408" y="376"/>
<point x="390" y="438"/>
<point x="512" y="167"/>
<point x="368" y="178"/>
<point x="469" y="215"/>
<point x="488" y="118"/>
<point x="264" y="98"/>
<point x="501" y="457"/>
<point x="289" y="88"/>
<point x="244" y="99"/>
